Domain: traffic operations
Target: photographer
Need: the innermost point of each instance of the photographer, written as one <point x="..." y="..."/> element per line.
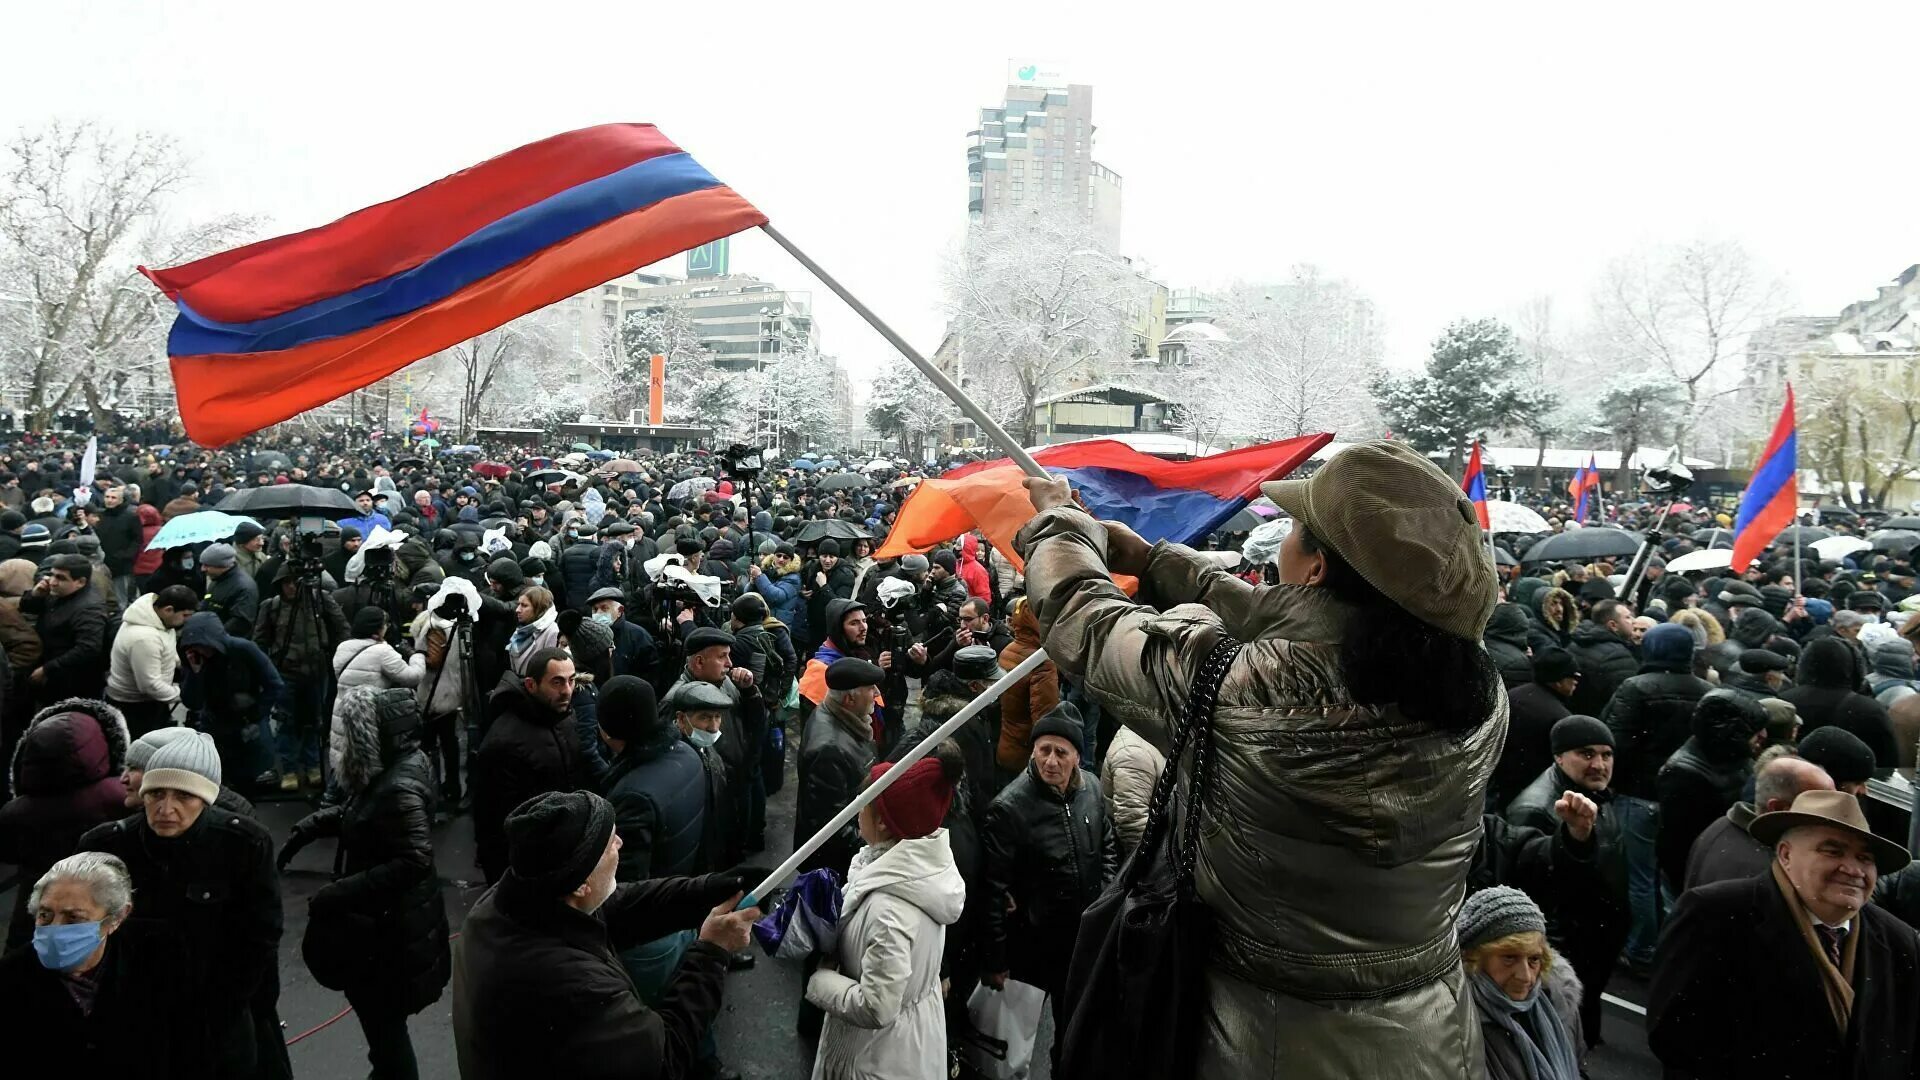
<point x="973" y="625"/>
<point x="375" y="585"/>
<point x="299" y="629"/>
<point x="449" y="693"/>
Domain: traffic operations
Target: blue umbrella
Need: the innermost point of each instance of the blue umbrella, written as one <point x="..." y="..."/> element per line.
<point x="202" y="527"/>
<point x="602" y="455"/>
<point x="830" y="463"/>
<point x="802" y="463"/>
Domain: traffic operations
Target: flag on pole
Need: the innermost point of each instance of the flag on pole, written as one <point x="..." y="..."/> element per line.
<point x="276" y="327"/>
<point x="1584" y="483"/>
<point x="1180" y="501"/>
<point x="1772" y="496"/>
<point x="1475" y="485"/>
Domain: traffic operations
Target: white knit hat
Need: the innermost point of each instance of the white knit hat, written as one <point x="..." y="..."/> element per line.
<point x="144" y="747"/>
<point x="189" y="765"/>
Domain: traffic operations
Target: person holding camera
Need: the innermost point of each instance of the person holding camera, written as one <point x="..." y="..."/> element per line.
<point x="299" y="628"/>
<point x="450" y="692"/>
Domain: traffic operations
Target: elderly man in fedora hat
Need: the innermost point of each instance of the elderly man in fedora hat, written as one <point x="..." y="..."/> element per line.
<point x="1352" y="741"/>
<point x="1792" y="972"/>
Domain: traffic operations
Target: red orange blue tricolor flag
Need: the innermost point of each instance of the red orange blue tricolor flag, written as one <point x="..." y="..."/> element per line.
<point x="1475" y="485"/>
<point x="276" y="327"/>
<point x="1584" y="483"/>
<point x="1772" y="497"/>
<point x="1181" y="501"/>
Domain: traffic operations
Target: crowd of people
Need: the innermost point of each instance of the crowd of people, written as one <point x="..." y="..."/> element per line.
<point x="1449" y="800"/>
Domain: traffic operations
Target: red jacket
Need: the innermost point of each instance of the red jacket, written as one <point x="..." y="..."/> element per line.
<point x="979" y="584"/>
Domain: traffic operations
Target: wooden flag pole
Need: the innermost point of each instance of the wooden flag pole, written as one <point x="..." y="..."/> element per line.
<point x="992" y="693"/>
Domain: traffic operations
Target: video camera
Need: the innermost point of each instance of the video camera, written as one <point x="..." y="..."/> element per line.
<point x="743" y="462"/>
<point x="306" y="556"/>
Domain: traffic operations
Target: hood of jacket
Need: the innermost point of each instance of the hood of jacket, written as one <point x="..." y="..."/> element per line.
<point x="921" y="872"/>
<point x="1723" y="723"/>
<point x="969" y="549"/>
<point x="1893" y="659"/>
<point x="1570" y="610"/>
<point x="68" y="745"/>
<point x="203" y="629"/>
<point x="1508" y="625"/>
<point x="836" y="616"/>
<point x="140" y="613"/>
<point x="1829" y="663"/>
<point x="149" y="516"/>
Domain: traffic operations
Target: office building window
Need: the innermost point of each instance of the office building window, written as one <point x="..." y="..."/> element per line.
<point x="1059" y="146"/>
<point x="1060" y="123"/>
<point x="1076" y="147"/>
<point x="1089" y="198"/>
<point x="1080" y="126"/>
<point x="1018" y="187"/>
<point x="1056" y="187"/>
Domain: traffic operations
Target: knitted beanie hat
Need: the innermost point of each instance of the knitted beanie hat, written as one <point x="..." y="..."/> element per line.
<point x="1498" y="912"/>
<point x="916" y="804"/>
<point x="143" y="747"/>
<point x="189" y="765"/>
<point x="1576" y="731"/>
<point x="1064" y="721"/>
<point x="555" y="840"/>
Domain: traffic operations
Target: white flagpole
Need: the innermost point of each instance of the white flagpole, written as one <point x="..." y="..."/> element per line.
<point x="1021" y="458"/>
<point x="873" y="790"/>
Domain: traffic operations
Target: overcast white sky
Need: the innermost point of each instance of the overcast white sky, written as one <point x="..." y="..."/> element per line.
<point x="1452" y="160"/>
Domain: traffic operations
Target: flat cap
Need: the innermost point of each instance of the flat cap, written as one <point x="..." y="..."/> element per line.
<point x="851" y="673"/>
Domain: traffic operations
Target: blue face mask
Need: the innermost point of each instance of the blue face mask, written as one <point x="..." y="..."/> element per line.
<point x="699" y="737"/>
<point x="539" y="581"/>
<point x="63" y="947"/>
<point x="603" y="618"/>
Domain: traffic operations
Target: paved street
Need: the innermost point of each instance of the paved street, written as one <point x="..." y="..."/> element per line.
<point x="756" y="1032"/>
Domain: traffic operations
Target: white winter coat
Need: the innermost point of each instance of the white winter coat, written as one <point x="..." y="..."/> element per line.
<point x="372" y="664"/>
<point x="885" y="1018"/>
<point x="143" y="660"/>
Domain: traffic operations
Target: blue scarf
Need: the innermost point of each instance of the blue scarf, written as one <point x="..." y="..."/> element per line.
<point x="1538" y="1034"/>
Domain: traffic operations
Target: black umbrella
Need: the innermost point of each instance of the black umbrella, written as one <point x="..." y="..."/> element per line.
<point x="842" y="481"/>
<point x="1589" y="543"/>
<point x="289" y="501"/>
<point x="1901" y="521"/>
<point x="1893" y="540"/>
<point x="268" y="461"/>
<point x="1839" y="512"/>
<point x="1503" y="557"/>
<point x="1243" y="522"/>
<point x="815" y="531"/>
<point x="411" y="463"/>
<point x="1715" y="538"/>
<point x="1806" y="533"/>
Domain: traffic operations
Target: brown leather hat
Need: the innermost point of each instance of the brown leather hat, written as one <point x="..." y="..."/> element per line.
<point x="1404" y="527"/>
<point x="1833" y="810"/>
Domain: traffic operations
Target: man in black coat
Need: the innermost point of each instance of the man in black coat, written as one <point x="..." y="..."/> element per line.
<point x="1792" y="973"/>
<point x="232" y="593"/>
<point x="1533" y="709"/>
<point x="1591" y="930"/>
<point x="1608" y="654"/>
<point x="824" y="579"/>
<point x="836" y="750"/>
<point x="656" y="784"/>
<point x="1650" y="716"/>
<point x="538" y="989"/>
<point x="1050" y="848"/>
<point x="633" y="648"/>
<point x="72" y="621"/>
<point x="207" y="877"/>
<point x="1725" y="851"/>
<point x="119" y="532"/>
<point x="532" y="747"/>
<point x="1705" y="776"/>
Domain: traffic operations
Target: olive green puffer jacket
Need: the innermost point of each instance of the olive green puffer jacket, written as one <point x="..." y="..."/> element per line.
<point x="1337" y="836"/>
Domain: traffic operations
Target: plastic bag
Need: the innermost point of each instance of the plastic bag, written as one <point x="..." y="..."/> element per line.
<point x="1006" y="1023"/>
<point x="807" y="919"/>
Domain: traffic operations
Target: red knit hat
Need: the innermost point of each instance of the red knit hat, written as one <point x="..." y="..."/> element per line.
<point x="915" y="805"/>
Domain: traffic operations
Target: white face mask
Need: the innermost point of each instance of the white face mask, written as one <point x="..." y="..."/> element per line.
<point x="703" y="738"/>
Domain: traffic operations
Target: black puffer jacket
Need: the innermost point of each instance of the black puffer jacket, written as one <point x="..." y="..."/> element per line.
<point x="1705" y="776"/>
<point x="385" y="906"/>
<point x="529" y="750"/>
<point x="1506" y="640"/>
<point x="835" y="753"/>
<point x="1052" y="853"/>
<point x="215" y="888"/>
<point x="1533" y="710"/>
<point x="1650" y="716"/>
<point x="1533" y="808"/>
<point x="657" y="786"/>
<point x="1606" y="661"/>
<point x="1829" y="671"/>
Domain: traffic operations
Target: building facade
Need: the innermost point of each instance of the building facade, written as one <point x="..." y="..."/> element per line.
<point x="1036" y="147"/>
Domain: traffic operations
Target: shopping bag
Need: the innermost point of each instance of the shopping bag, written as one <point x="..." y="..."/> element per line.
<point x="807" y="919"/>
<point x="1005" y="1024"/>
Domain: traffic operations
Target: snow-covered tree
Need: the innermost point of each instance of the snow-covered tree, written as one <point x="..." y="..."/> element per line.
<point x="1685" y="310"/>
<point x="793" y="393"/>
<point x="903" y="404"/>
<point x="697" y="392"/>
<point x="1475" y="383"/>
<point x="510" y="367"/>
<point x="1039" y="306"/>
<point x="1287" y="360"/>
<point x="1638" y="409"/>
<point x="80" y="209"/>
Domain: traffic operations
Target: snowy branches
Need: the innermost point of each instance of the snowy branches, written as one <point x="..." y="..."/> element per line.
<point x="1039" y="306"/>
<point x="80" y="208"/>
<point x="903" y="404"/>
